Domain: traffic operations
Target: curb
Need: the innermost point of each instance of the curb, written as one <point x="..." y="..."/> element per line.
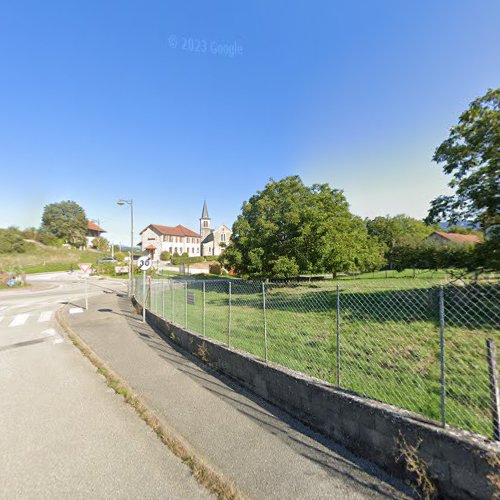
<point x="206" y="475"/>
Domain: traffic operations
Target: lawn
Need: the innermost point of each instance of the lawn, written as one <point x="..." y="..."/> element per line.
<point x="40" y="258"/>
<point x="388" y="335"/>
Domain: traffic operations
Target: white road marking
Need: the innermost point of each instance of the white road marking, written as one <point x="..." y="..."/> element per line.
<point x="1" y="318"/>
<point x="75" y="310"/>
<point x="19" y="320"/>
<point x="50" y="332"/>
<point x="45" y="316"/>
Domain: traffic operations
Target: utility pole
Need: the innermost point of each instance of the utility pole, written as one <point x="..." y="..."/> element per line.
<point x="131" y="258"/>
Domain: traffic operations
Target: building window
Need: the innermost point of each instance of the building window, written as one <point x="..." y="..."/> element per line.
<point x="223" y="237"/>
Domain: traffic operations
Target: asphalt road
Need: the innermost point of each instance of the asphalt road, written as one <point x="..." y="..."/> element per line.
<point x="63" y="432"/>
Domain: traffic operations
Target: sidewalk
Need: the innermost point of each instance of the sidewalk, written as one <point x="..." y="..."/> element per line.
<point x="264" y="451"/>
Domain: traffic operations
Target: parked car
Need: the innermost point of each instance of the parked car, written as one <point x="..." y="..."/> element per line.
<point x="106" y="259"/>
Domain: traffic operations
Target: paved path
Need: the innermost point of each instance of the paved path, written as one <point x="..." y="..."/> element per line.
<point x="63" y="433"/>
<point x="267" y="453"/>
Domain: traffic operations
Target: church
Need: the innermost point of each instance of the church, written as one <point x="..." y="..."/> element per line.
<point x="179" y="240"/>
<point x="213" y="241"/>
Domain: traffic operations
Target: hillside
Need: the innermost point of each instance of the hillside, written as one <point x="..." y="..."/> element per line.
<point x="41" y="258"/>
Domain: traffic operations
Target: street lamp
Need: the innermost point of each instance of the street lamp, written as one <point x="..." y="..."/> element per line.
<point x="131" y="260"/>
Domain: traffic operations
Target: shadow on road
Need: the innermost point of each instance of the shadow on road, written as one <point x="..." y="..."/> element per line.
<point x="334" y="458"/>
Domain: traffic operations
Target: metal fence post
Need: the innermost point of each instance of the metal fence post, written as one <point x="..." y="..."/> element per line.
<point x="265" y="319"/>
<point x="229" y="315"/>
<point x="173" y="299"/>
<point x="491" y="350"/>
<point x="163" y="299"/>
<point x="442" y="356"/>
<point x="338" y="336"/>
<point x="186" y="305"/>
<point x="203" y="311"/>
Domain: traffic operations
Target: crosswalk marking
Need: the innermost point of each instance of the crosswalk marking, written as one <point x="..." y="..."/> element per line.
<point x="57" y="339"/>
<point x="75" y="310"/>
<point x="45" y="316"/>
<point x="1" y="318"/>
<point x="19" y="320"/>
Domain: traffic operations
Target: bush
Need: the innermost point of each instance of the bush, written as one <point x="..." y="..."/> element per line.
<point x="106" y="268"/>
<point x="431" y="255"/>
<point x="165" y="255"/>
<point x="186" y="260"/>
<point x="49" y="239"/>
<point x="100" y="243"/>
<point x="120" y="256"/>
<point x="11" y="241"/>
<point x="215" y="268"/>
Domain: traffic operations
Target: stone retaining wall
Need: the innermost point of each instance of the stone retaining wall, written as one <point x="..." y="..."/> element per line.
<point x="458" y="463"/>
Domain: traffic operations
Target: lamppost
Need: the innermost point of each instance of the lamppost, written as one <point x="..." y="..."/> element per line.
<point x="131" y="260"/>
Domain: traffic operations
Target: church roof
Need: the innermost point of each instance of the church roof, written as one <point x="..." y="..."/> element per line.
<point x="204" y="214"/>
<point x="208" y="238"/>
<point x="172" y="231"/>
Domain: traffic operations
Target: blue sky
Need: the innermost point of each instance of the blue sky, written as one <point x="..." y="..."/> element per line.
<point x="107" y="99"/>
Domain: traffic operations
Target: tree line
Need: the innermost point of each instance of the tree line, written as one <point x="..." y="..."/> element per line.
<point x="64" y="222"/>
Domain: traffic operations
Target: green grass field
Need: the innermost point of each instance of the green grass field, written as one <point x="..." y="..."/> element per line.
<point x="40" y="258"/>
<point x="388" y="331"/>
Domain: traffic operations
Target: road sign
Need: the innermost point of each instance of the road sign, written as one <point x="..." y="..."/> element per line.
<point x="144" y="263"/>
<point x="85" y="268"/>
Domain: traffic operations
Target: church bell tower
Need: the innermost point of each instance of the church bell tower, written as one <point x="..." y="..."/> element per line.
<point x="205" y="222"/>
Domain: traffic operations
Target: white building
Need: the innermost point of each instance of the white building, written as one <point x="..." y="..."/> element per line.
<point x="93" y="231"/>
<point x="213" y="241"/>
<point x="178" y="239"/>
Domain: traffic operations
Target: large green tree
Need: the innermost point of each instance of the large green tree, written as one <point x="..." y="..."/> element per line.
<point x="471" y="154"/>
<point x="65" y="220"/>
<point x="289" y="228"/>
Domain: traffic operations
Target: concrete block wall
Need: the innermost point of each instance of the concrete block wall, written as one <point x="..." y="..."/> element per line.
<point x="459" y="464"/>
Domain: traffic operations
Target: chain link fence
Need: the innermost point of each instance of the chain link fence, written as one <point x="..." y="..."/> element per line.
<point x="423" y="347"/>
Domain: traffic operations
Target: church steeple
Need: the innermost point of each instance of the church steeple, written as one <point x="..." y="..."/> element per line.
<point x="204" y="214"/>
<point x="205" y="222"/>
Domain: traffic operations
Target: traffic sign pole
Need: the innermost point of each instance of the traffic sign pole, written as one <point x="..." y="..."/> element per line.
<point x="85" y="268"/>
<point x="144" y="296"/>
<point x="86" y="294"/>
<point x="143" y="264"/>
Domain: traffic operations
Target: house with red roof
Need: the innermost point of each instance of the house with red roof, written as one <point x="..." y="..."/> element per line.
<point x="443" y="238"/>
<point x="93" y="231"/>
<point x="179" y="239"/>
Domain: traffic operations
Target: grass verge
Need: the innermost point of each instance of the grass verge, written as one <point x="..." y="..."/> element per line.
<point x="206" y="475"/>
<point x="43" y="259"/>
